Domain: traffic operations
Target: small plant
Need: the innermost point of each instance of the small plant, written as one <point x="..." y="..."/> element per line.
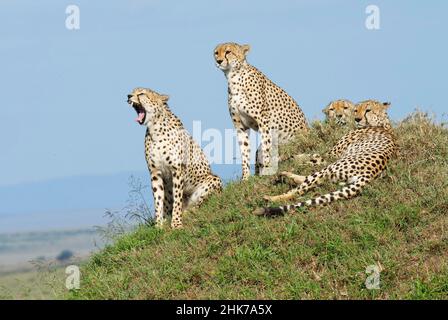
<point x="136" y="212"/>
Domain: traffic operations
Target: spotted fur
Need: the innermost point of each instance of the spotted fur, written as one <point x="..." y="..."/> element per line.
<point x="370" y="112"/>
<point x="255" y="102"/>
<point x="362" y="155"/>
<point x="180" y="172"/>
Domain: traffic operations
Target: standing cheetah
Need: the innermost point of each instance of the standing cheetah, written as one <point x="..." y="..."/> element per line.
<point x="180" y="172"/>
<point x="255" y="102"/>
<point x="340" y="111"/>
<point x="362" y="155"/>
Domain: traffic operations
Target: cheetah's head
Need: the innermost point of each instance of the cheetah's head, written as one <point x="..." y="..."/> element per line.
<point x="230" y="55"/>
<point x="372" y="113"/>
<point x="340" y="111"/>
<point x="146" y="103"/>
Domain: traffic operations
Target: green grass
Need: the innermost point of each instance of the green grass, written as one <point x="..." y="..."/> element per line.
<point x="33" y="285"/>
<point x="399" y="224"/>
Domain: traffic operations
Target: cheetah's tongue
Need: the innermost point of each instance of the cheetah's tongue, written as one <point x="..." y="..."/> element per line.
<point x="140" y="117"/>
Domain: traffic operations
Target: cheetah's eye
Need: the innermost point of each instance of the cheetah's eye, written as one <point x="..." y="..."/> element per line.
<point x="216" y="53"/>
<point x="228" y="51"/>
<point x="368" y="110"/>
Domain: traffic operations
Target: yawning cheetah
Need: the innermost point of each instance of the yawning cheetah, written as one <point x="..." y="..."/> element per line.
<point x="180" y="172"/>
<point x="255" y="102"/>
<point x="362" y="155"/>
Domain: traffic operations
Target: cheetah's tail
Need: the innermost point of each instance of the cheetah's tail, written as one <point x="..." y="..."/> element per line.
<point x="347" y="192"/>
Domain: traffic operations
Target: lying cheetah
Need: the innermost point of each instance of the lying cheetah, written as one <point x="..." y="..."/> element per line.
<point x="360" y="115"/>
<point x="362" y="155"/>
<point x="255" y="102"/>
<point x="340" y="111"/>
<point x="372" y="112"/>
<point x="180" y="172"/>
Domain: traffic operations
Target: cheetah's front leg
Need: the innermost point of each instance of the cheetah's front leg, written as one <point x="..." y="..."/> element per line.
<point x="268" y="161"/>
<point x="168" y="200"/>
<point x="159" y="195"/>
<point x="308" y="183"/>
<point x="243" y="141"/>
<point x="298" y="180"/>
<point x="178" y="191"/>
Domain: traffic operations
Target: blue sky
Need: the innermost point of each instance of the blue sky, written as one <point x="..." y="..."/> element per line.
<point x="63" y="92"/>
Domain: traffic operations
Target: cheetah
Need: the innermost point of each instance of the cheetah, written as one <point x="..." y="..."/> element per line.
<point x="372" y="112"/>
<point x="180" y="172"/>
<point x="256" y="103"/>
<point x="340" y="111"/>
<point x="362" y="155"/>
<point x="344" y="113"/>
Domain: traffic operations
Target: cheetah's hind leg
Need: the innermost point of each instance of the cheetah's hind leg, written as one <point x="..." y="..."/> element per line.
<point x="210" y="185"/>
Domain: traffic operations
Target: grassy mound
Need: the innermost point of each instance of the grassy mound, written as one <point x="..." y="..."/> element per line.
<point x="399" y="224"/>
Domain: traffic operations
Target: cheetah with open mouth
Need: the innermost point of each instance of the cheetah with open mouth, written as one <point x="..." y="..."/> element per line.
<point x="180" y="172"/>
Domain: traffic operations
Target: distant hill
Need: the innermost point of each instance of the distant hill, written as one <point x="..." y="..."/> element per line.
<point x="67" y="194"/>
<point x="72" y="202"/>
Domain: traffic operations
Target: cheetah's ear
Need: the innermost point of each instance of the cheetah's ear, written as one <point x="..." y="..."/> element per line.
<point x="386" y="105"/>
<point x="164" y="98"/>
<point x="245" y="48"/>
<point x="326" y="111"/>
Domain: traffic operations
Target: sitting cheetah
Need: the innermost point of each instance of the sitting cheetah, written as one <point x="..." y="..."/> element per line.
<point x="340" y="111"/>
<point x="362" y="155"/>
<point x="180" y="172"/>
<point x="255" y="102"/>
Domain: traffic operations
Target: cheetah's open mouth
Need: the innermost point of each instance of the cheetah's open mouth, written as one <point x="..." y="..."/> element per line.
<point x="141" y="113"/>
